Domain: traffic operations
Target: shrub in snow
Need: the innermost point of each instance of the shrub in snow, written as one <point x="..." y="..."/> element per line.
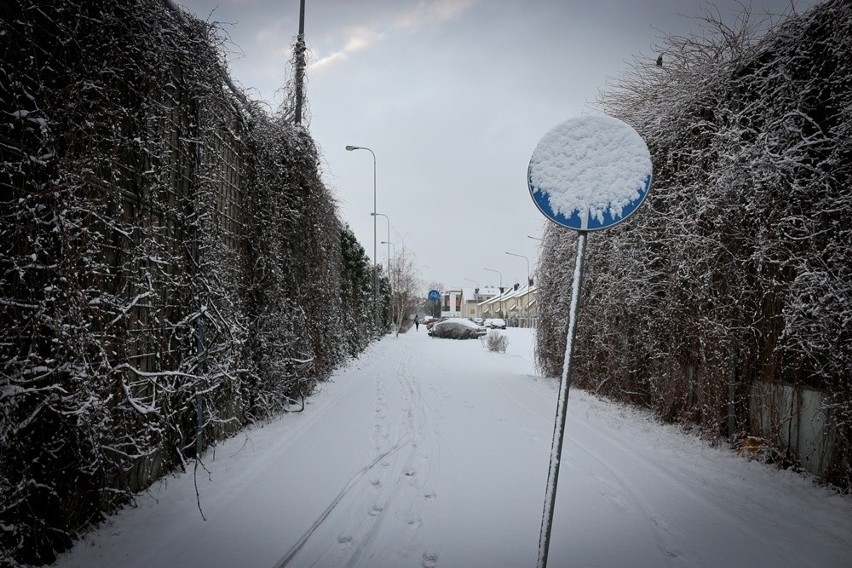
<point x="496" y="340"/>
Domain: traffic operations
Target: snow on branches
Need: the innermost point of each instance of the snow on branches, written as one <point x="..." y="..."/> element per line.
<point x="738" y="270"/>
<point x="172" y="265"/>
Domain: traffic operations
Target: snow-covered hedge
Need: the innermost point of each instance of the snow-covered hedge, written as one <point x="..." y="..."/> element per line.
<point x="172" y="266"/>
<point x="738" y="268"/>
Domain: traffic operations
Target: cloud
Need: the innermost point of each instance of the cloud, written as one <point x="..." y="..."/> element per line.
<point x="358" y="39"/>
<point x="362" y="38"/>
<point x="428" y="11"/>
<point x="422" y="14"/>
<point x="329" y="60"/>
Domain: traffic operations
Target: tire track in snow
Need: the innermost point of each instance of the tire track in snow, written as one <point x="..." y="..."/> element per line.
<point x="669" y="538"/>
<point x="674" y="481"/>
<point x="380" y="511"/>
<point x="379" y="434"/>
<point x="328" y="510"/>
<point x="413" y="425"/>
<point x="631" y="493"/>
<point x="618" y="489"/>
<point x="390" y="488"/>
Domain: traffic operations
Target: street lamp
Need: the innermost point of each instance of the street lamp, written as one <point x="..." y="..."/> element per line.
<point x="390" y="272"/>
<point x="375" y="273"/>
<point x="388" y="241"/>
<point x="501" y="276"/>
<point x="528" y="264"/>
<point x="390" y="278"/>
<point x="529" y="283"/>
<point x="472" y="280"/>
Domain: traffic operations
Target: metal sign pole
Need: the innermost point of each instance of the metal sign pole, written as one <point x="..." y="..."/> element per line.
<point x="562" y="406"/>
<point x="586" y="174"/>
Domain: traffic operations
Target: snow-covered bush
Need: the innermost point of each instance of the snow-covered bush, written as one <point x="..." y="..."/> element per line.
<point x="496" y="340"/>
<point x="737" y="270"/>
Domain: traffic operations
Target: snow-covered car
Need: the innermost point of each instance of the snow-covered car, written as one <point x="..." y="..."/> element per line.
<point x="478" y="321"/>
<point x="456" y="328"/>
<point x="495" y="323"/>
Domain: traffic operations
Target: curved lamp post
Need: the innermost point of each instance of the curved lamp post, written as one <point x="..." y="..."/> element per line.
<point x="375" y="273"/>
<point x="390" y="278"/>
<point x="529" y="283"/>
<point x="528" y="264"/>
<point x="390" y="244"/>
<point x="499" y="273"/>
<point x="388" y="241"/>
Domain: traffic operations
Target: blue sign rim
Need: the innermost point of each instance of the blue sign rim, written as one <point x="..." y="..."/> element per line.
<point x="574" y="221"/>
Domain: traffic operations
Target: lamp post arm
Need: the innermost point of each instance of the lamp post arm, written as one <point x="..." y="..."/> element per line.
<point x="499" y="273"/>
<point x="528" y="264"/>
<point x="375" y="239"/>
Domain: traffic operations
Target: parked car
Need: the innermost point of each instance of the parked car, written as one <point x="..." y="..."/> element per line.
<point x="495" y="323"/>
<point x="478" y="321"/>
<point x="456" y="328"/>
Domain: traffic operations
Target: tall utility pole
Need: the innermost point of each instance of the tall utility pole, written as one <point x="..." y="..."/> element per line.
<point x="300" y="63"/>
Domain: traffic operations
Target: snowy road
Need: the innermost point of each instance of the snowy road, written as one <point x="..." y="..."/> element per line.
<point x="432" y="452"/>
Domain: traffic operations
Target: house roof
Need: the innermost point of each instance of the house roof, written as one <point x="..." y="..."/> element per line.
<point x="511" y="293"/>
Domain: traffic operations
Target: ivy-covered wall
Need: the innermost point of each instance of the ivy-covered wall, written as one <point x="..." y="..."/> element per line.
<point x="737" y="271"/>
<point x="171" y="266"/>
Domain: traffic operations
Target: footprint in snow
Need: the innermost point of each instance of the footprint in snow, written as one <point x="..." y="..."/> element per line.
<point x="430" y="560"/>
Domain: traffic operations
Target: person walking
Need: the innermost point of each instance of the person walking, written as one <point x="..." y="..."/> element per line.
<point x="416" y="322"/>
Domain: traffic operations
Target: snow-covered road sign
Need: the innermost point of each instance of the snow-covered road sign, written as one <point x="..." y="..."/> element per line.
<point x="589" y="173"/>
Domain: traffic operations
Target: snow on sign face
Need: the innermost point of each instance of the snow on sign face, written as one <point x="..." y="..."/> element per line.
<point x="589" y="172"/>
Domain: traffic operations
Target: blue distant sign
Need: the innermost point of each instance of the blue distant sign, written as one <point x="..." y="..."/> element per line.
<point x="434" y="295"/>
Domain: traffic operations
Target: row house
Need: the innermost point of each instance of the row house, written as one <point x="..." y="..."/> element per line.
<point x="517" y="305"/>
<point x="464" y="302"/>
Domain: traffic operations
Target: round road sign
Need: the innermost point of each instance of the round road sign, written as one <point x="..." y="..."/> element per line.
<point x="589" y="173"/>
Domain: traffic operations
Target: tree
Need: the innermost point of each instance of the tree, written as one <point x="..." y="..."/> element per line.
<point x="405" y="287"/>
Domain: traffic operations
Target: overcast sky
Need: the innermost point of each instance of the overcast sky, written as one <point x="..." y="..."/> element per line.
<point x="452" y="96"/>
